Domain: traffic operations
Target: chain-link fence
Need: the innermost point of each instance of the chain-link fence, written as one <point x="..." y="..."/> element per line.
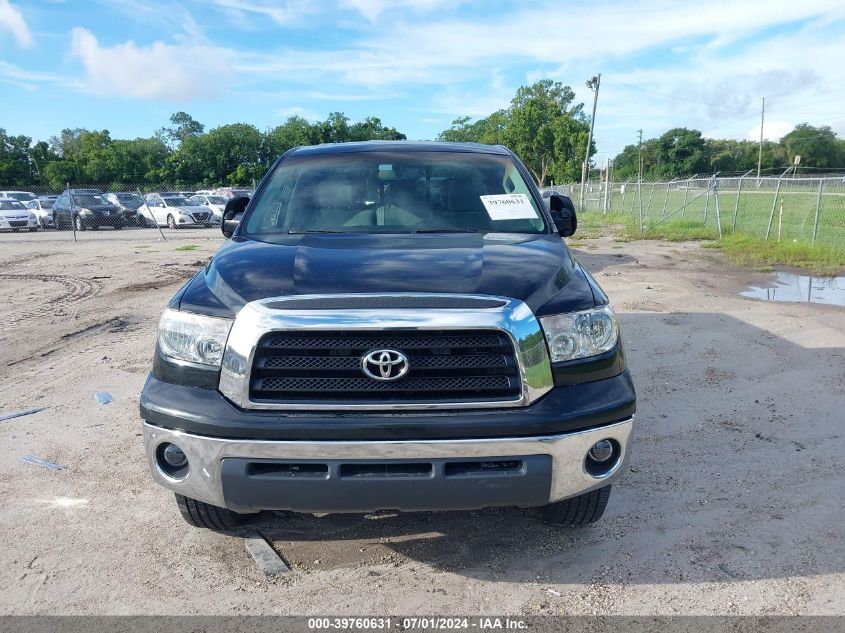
<point x="96" y="208"/>
<point x="810" y="210"/>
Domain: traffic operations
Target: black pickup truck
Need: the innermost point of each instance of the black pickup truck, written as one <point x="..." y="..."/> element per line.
<point x="390" y="325"/>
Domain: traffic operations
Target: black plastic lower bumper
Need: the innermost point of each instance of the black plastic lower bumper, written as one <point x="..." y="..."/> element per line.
<point x="563" y="409"/>
<point x="408" y="485"/>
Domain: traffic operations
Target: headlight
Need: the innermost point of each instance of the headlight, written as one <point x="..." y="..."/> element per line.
<point x="32" y="217"/>
<point x="580" y="334"/>
<point x="85" y="212"/>
<point x="193" y="338"/>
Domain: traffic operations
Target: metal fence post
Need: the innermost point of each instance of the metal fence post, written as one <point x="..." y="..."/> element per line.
<point x="152" y="216"/>
<point x="72" y="219"/>
<point x="640" y="196"/>
<point x="686" y="193"/>
<point x="665" y="201"/>
<point x="736" y="208"/>
<point x="707" y="200"/>
<point x="818" y="206"/>
<point x="716" y="201"/>
<point x="774" y="204"/>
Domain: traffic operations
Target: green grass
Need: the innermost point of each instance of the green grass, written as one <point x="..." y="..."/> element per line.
<point x="187" y="247"/>
<point x="743" y="250"/>
<point x="744" y="223"/>
<point x="751" y="216"/>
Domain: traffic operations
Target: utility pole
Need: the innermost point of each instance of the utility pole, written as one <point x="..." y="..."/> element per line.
<point x="593" y="84"/>
<point x="760" y="151"/>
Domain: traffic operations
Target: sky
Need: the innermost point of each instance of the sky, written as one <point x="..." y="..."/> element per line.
<point x="127" y="65"/>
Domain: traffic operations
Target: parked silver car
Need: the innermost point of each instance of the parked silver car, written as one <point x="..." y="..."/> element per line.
<point x="43" y="210"/>
<point x="173" y="211"/>
<point x="15" y="216"/>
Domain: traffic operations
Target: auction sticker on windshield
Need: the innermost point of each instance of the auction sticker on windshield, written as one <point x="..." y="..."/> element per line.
<point x="509" y="206"/>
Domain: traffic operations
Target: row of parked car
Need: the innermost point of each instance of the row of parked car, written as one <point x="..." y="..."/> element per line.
<point x="86" y="209"/>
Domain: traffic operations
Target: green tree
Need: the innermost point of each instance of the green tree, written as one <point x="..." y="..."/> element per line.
<point x="294" y="132"/>
<point x="372" y="129"/>
<point x="817" y="146"/>
<point x="489" y="130"/>
<point x="229" y="153"/>
<point x="183" y="126"/>
<point x="15" y="167"/>
<point x="547" y="131"/>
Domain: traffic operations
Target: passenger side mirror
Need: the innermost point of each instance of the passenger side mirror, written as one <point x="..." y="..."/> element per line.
<point x="563" y="214"/>
<point x="235" y="208"/>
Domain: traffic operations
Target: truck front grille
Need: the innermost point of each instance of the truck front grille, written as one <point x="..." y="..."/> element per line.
<point x="444" y="365"/>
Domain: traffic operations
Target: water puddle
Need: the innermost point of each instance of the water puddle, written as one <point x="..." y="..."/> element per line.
<point x="801" y="288"/>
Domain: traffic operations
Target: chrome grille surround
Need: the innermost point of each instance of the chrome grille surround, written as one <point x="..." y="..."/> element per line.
<point x="257" y="318"/>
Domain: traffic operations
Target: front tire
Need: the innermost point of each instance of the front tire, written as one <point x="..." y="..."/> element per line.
<point x="203" y="515"/>
<point x="171" y="222"/>
<point x="578" y="511"/>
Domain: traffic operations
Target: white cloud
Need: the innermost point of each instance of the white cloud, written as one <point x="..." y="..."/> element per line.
<point x="29" y="80"/>
<point x="309" y="115"/>
<point x="174" y="72"/>
<point x="12" y="20"/>
<point x="282" y="13"/>
<point x="372" y="9"/>
<point x="772" y="130"/>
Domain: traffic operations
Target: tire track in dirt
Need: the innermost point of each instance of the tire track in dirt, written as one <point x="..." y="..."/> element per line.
<point x="76" y="290"/>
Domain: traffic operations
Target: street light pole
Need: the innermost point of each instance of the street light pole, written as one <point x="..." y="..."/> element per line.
<point x="593" y="84"/>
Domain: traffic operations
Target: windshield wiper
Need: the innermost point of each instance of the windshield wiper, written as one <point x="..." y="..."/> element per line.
<point x="447" y="230"/>
<point x="308" y="231"/>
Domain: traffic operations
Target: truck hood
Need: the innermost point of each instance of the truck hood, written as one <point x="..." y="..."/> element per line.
<point x="537" y="269"/>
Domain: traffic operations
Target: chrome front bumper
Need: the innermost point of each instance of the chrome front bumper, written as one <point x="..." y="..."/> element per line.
<point x="569" y="477"/>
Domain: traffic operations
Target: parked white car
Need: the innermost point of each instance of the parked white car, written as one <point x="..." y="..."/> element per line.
<point x="43" y="210"/>
<point x="20" y="196"/>
<point x="15" y="216"/>
<point x="216" y="203"/>
<point x="174" y="212"/>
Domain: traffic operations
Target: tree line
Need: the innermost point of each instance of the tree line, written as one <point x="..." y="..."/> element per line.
<point x="543" y="124"/>
<point x="181" y="154"/>
<point x="682" y="152"/>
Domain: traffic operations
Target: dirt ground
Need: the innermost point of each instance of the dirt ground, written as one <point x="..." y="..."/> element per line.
<point x="733" y="505"/>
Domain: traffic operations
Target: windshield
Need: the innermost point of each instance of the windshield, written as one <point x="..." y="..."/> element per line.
<point x="216" y="200"/>
<point x="47" y="204"/>
<point x="178" y="202"/>
<point x="22" y="196"/>
<point x="131" y="200"/>
<point x="88" y="200"/>
<point x="395" y="192"/>
<point x="7" y="205"/>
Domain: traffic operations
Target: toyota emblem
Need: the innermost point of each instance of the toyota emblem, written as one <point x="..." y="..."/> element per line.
<point x="385" y="364"/>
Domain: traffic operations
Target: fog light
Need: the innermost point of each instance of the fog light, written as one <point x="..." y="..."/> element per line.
<point x="172" y="460"/>
<point x="601" y="451"/>
<point x="174" y="456"/>
<point x="603" y="458"/>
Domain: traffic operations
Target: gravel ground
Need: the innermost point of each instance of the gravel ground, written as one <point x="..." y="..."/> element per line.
<point x="733" y="504"/>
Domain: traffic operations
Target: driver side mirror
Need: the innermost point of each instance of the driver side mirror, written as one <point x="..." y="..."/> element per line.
<point x="232" y="214"/>
<point x="563" y="214"/>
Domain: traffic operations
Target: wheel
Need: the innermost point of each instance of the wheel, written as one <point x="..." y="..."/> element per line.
<point x="171" y="223"/>
<point x="15" y="230"/>
<point x="202" y="515"/>
<point x="577" y="511"/>
<point x="142" y="221"/>
<point x="34" y="229"/>
<point x="80" y="225"/>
